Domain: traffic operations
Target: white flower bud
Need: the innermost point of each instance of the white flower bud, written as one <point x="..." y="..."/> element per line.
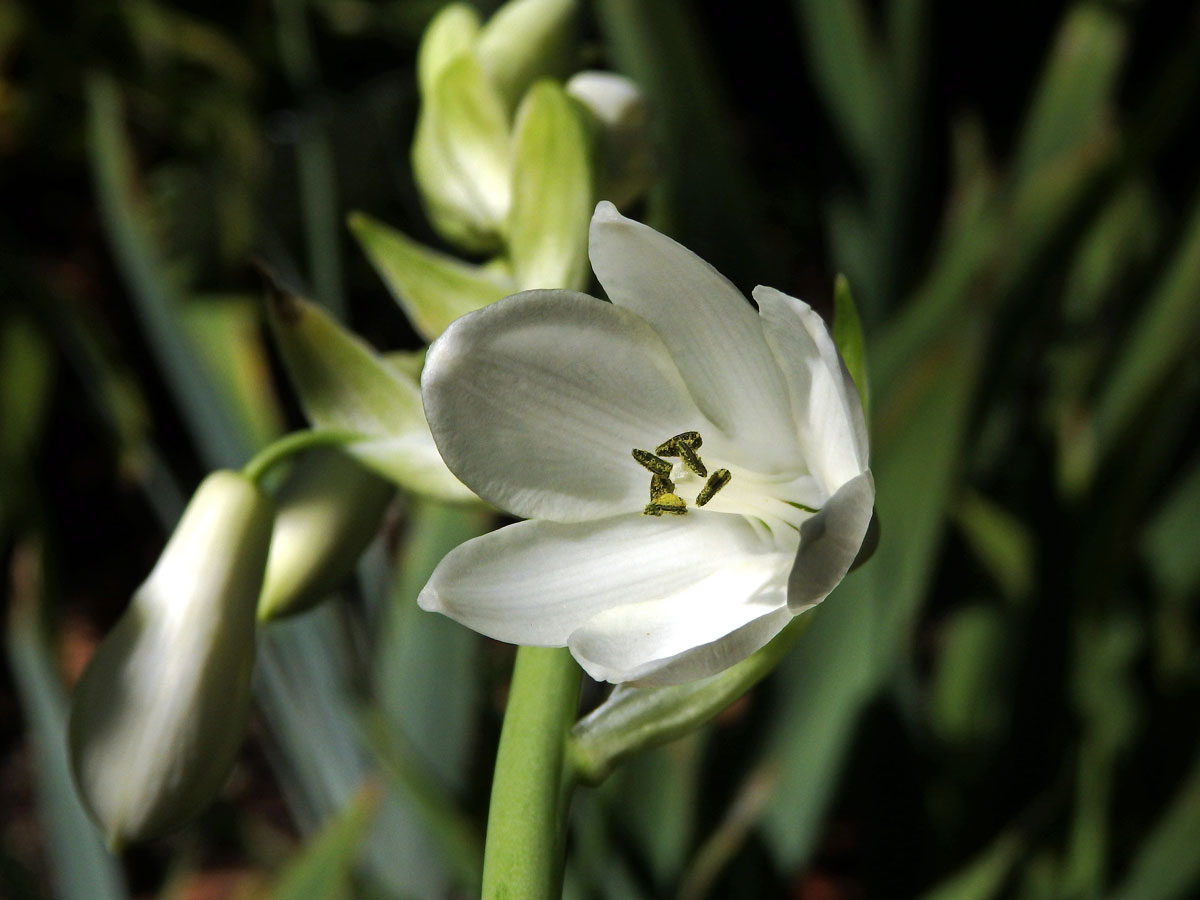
<point x="626" y="152"/>
<point x="328" y="510"/>
<point x="159" y="713"/>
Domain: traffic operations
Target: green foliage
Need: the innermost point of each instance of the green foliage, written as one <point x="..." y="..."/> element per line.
<point x="998" y="704"/>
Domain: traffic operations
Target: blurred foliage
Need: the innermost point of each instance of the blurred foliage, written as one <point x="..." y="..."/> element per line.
<point x="1000" y="704"/>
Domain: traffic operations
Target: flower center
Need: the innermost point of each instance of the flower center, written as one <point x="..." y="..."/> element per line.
<point x="663" y="499"/>
<point x="780" y="503"/>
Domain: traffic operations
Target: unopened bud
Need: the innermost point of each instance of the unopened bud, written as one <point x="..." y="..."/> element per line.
<point x="328" y="510"/>
<point x="157" y="718"/>
<point x="622" y="117"/>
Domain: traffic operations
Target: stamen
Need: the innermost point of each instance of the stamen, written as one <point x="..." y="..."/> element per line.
<point x="660" y="485"/>
<point x="690" y="438"/>
<point x="684" y="445"/>
<point x="669" y="504"/>
<point x="649" y="461"/>
<point x="718" y="480"/>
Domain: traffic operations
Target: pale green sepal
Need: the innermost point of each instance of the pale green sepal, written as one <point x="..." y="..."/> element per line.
<point x="343" y="384"/>
<point x="524" y="41"/>
<point x="432" y="288"/>
<point x="848" y="336"/>
<point x="158" y="716"/>
<point x="634" y="719"/>
<point x="461" y="156"/>
<point x="620" y="117"/>
<point x="450" y="33"/>
<point x="552" y="192"/>
<point x="408" y="363"/>
<point x="327" y="511"/>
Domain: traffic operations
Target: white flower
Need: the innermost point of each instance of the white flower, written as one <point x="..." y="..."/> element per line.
<point x="537" y="403"/>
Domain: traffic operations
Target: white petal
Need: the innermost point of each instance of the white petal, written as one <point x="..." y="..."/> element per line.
<point x="830" y="541"/>
<point x="825" y="403"/>
<point x="538" y="582"/>
<point x="537" y="401"/>
<point x="699" y="629"/>
<point x="710" y="328"/>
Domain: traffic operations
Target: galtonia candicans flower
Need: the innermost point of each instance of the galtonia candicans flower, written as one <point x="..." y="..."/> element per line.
<point x="694" y="472"/>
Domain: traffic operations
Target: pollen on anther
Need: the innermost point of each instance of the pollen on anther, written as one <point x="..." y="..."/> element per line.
<point x="716" y="481"/>
<point x="668" y="504"/>
<point x="648" y="460"/>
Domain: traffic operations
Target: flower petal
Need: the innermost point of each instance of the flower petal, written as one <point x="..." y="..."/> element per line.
<point x="696" y="631"/>
<point x="825" y="402"/>
<point x="710" y="328"/>
<point x="829" y="543"/>
<point x="538" y="582"/>
<point x="537" y="401"/>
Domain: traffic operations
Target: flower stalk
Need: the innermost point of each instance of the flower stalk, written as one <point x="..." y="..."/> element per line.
<point x="531" y="791"/>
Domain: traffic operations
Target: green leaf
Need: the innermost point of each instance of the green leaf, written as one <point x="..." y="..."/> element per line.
<point x="343" y="384"/>
<point x="985" y="876"/>
<point x="322" y="870"/>
<point x="1166" y="865"/>
<point x="460" y="156"/>
<point x="1169" y="541"/>
<point x="547" y="227"/>
<point x="848" y="335"/>
<point x="1001" y="541"/>
<point x="1075" y="87"/>
<point x="844" y="59"/>
<point x="524" y="41"/>
<point x="79" y="866"/>
<point x="1166" y="334"/>
<point x="226" y="333"/>
<point x="968" y="702"/>
<point x="432" y="288"/>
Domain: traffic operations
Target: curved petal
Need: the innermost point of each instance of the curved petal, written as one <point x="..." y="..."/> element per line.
<point x="538" y="582"/>
<point x="825" y="403"/>
<point x="829" y="543"/>
<point x="537" y="401"/>
<point x="710" y="328"/>
<point x="700" y="628"/>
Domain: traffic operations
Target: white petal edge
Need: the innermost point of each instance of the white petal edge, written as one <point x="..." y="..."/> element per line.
<point x="825" y="402"/>
<point x="829" y="543"/>
<point x="537" y="401"/>
<point x="708" y="325"/>
<point x="699" y="629"/>
<point x="537" y="582"/>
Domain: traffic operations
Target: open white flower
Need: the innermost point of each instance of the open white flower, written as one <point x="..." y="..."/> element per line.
<point x="763" y="496"/>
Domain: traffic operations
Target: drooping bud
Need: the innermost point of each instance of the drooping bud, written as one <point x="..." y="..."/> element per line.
<point x="159" y="713"/>
<point x="622" y="117"/>
<point x="328" y="510"/>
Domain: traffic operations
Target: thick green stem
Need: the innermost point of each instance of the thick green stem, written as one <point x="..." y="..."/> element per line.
<point x="526" y="829"/>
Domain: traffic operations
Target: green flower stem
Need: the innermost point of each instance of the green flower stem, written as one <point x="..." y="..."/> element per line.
<point x="291" y="444"/>
<point x="634" y="719"/>
<point x="526" y="835"/>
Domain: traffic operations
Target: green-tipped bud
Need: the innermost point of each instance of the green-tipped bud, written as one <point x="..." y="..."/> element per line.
<point x="328" y="510"/>
<point x="472" y="80"/>
<point x="159" y="713"/>
<point x="524" y="41"/>
<point x="622" y="118"/>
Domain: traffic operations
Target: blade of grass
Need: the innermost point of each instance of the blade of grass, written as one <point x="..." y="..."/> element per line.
<point x="80" y="867"/>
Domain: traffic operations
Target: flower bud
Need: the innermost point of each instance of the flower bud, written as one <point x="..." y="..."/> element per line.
<point x="328" y="510"/>
<point x="622" y="117"/>
<point x="472" y="81"/>
<point x="159" y="713"/>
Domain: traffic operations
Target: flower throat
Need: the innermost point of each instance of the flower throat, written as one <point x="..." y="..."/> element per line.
<point x="663" y="499"/>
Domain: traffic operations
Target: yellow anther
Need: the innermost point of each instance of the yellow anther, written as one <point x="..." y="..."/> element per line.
<point x="659" y="485"/>
<point x="649" y="461"/>
<point x="718" y="480"/>
<point x="684" y="445"/>
<point x="668" y="504"/>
